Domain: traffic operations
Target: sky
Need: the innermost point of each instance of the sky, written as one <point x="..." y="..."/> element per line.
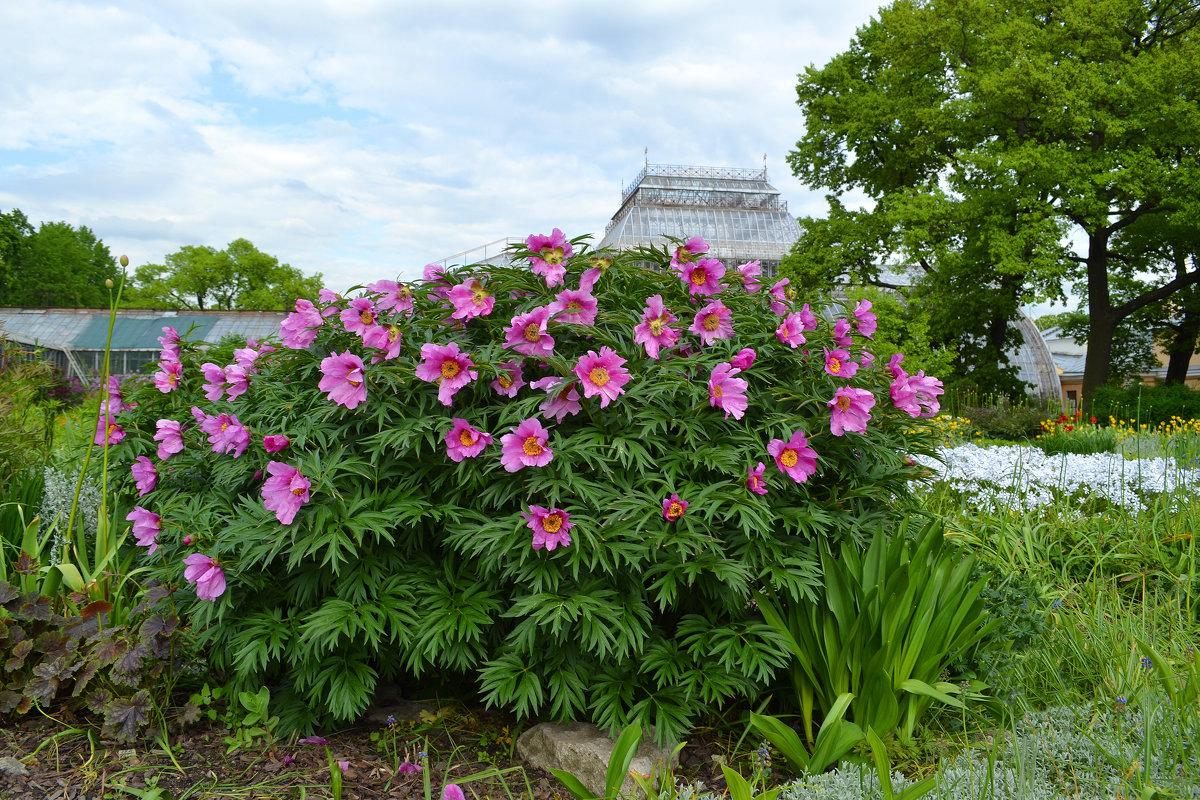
<point x="363" y="139"/>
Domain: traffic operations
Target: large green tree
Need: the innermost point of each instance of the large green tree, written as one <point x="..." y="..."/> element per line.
<point x="55" y="265"/>
<point x="240" y="277"/>
<point x="990" y="137"/>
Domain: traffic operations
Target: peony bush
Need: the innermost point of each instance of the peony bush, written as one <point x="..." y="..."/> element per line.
<point x="560" y="481"/>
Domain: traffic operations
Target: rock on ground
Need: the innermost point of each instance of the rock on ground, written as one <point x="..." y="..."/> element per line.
<point x="584" y="750"/>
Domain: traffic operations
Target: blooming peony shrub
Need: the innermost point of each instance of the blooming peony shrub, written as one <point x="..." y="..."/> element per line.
<point x="562" y="483"/>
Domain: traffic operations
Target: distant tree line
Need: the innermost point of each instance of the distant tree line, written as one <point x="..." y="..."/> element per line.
<point x="57" y="265"/>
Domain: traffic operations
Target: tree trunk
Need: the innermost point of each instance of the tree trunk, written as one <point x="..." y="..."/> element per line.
<point x="1103" y="322"/>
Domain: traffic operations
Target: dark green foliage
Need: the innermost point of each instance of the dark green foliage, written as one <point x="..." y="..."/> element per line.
<point x="55" y="265"/>
<point x="1148" y="405"/>
<point x="405" y="564"/>
<point x="1013" y="422"/>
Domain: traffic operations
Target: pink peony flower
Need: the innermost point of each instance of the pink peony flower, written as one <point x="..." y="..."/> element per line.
<point x="388" y="340"/>
<point x="744" y="359"/>
<point x="285" y="491"/>
<point x="360" y="316"/>
<point x="553" y="252"/>
<point x="527" y="333"/>
<point x="169" y="438"/>
<point x="779" y="304"/>
<point x="751" y="271"/>
<point x="866" y="359"/>
<point x="245" y="357"/>
<point x="470" y="300"/>
<point x="237" y="381"/>
<point x="115" y="404"/>
<point x="343" y="378"/>
<point x="395" y="296"/>
<point x="451" y="790"/>
<point x="673" y="508"/>
<point x="331" y="300"/>
<point x="549" y="527"/>
<point x="791" y="331"/>
<point x="838" y="364"/>
<point x="865" y="318"/>
<point x="655" y="331"/>
<point x="448" y="368"/>
<point x="562" y="401"/>
<point x="687" y="252"/>
<point x="894" y="365"/>
<point x="526" y="446"/>
<point x="841" y="333"/>
<point x="107" y="431"/>
<point x="167" y="378"/>
<point x="206" y="574"/>
<point x="713" y="322"/>
<point x="850" y="410"/>
<point x="577" y="306"/>
<point x="464" y="441"/>
<point x="917" y="394"/>
<point x="214" y="381"/>
<point x="275" y="444"/>
<point x="407" y="768"/>
<point x="225" y="433"/>
<point x="145" y="476"/>
<point x="602" y="375"/>
<point x="145" y="528"/>
<point x="756" y="482"/>
<point x="808" y="320"/>
<point x="510" y="379"/>
<point x="170" y="344"/>
<point x="299" y="328"/>
<point x="794" y="456"/>
<point x="727" y="392"/>
<point x="435" y="279"/>
<point x="703" y="276"/>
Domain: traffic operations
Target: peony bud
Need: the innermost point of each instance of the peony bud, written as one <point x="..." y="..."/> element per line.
<point x="108" y="284"/>
<point x="124" y="261"/>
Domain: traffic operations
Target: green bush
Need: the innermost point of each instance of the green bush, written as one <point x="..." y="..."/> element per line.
<point x="402" y="562"/>
<point x="1012" y="423"/>
<point x="1148" y="405"/>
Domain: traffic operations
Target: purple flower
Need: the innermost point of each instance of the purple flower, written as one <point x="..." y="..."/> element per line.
<point x="214" y="380"/>
<point x="451" y="790"/>
<point x="779" y="302"/>
<point x="526" y="446"/>
<point x="794" y="456"/>
<point x="464" y="441"/>
<point x="225" y="433"/>
<point x="167" y="378"/>
<point x="509" y="380"/>
<point x="470" y="300"/>
<point x="791" y="331"/>
<point x="553" y="252"/>
<point x="561" y="402"/>
<point x="285" y="491"/>
<point x="299" y="328"/>
<point x="343" y="378"/>
<point x="727" y="392"/>
<point x="713" y="322"/>
<point x="755" y="481"/>
<point x="549" y="526"/>
<point x="446" y="367"/>
<point x="275" y="444"/>
<point x="237" y="380"/>
<point x="107" y="431"/>
<point x="841" y="333"/>
<point x="602" y="375"/>
<point x="839" y="365"/>
<point x="145" y="476"/>
<point x="577" y="306"/>
<point x="751" y="271"/>
<point x="395" y="296"/>
<point x="865" y="318"/>
<point x="527" y="333"/>
<point x="703" y="276"/>
<point x="654" y="332"/>
<point x="850" y="409"/>
<point x="207" y="574"/>
<point x="145" y="528"/>
<point x="744" y="359"/>
<point x="169" y="438"/>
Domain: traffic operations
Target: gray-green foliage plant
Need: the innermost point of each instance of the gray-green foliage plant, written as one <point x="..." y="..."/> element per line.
<point x="401" y="562"/>
<point x="888" y="622"/>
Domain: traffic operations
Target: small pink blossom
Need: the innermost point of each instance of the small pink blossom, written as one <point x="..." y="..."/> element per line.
<point x="247" y="357"/>
<point x="794" y="456"/>
<point x="563" y="399"/>
<point x="470" y="299"/>
<point x="145" y="476"/>
<point x="838" y="363"/>
<point x="894" y="365"/>
<point x="276" y="444"/>
<point x="225" y="433"/>
<point x="703" y="276"/>
<point x="408" y="768"/>
<point x="750" y="272"/>
<point x="655" y="331"/>
<point x="866" y="359"/>
<point x="509" y="379"/>
<point x="808" y="320"/>
<point x="170" y="344"/>
<point x="755" y="481"/>
<point x="673" y="508"/>
<point x="527" y="333"/>
<point x="602" y="375"/>
<point x="360" y="316"/>
<point x="145" y="528"/>
<point x="285" y="491"/>
<point x="917" y="394"/>
<point x="744" y="359"/>
<point x="388" y="340"/>
<point x="850" y="410"/>
<point x="343" y="378"/>
<point x="687" y="252"/>
<point x="169" y="437"/>
<point x="214" y="381"/>
<point x="841" y="333"/>
<point x="447" y="367"/>
<point x="867" y="323"/>
<point x="167" y="378"/>
<point x="331" y="300"/>
<point x="207" y="574"/>
<point x="780" y="305"/>
<point x="299" y="328"/>
<point x="237" y="381"/>
<point x="727" y="392"/>
<point x="549" y="526"/>
<point x="464" y="441"/>
<point x="395" y="296"/>
<point x="107" y="431"/>
<point x="713" y="322"/>
<point x="552" y="254"/>
<point x="438" y="283"/>
<point x="791" y="331"/>
<point x="577" y="306"/>
<point x="451" y="791"/>
<point x="526" y="446"/>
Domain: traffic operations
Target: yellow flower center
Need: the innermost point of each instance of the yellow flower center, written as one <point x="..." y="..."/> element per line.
<point x="172" y="379"/>
<point x="403" y="293"/>
<point x="504" y="379"/>
<point x="298" y="491"/>
<point x="533" y="332"/>
<point x="532" y="447"/>
<point x="467" y="437"/>
<point x="683" y="255"/>
<point x="393" y="333"/>
<point x="552" y="255"/>
<point x="843" y="403"/>
<point x="224" y="425"/>
<point x="353" y="382"/>
<point x="553" y="522"/>
<point x="656" y="326"/>
<point x="674" y="511"/>
<point x="834" y="366"/>
<point x="112" y="428"/>
<point x="598" y="376"/>
<point x="788" y="458"/>
<point x="573" y="305"/>
<point x="450" y="368"/>
<point x="479" y="294"/>
<point x="367" y="317"/>
<point x="711" y="322"/>
<point x="699" y="277"/>
<point x="718" y="391"/>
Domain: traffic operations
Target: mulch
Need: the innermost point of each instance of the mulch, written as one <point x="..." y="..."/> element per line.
<point x="61" y="760"/>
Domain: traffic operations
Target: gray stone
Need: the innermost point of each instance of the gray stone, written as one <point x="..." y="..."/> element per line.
<point x="583" y="750"/>
<point x="11" y="766"/>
